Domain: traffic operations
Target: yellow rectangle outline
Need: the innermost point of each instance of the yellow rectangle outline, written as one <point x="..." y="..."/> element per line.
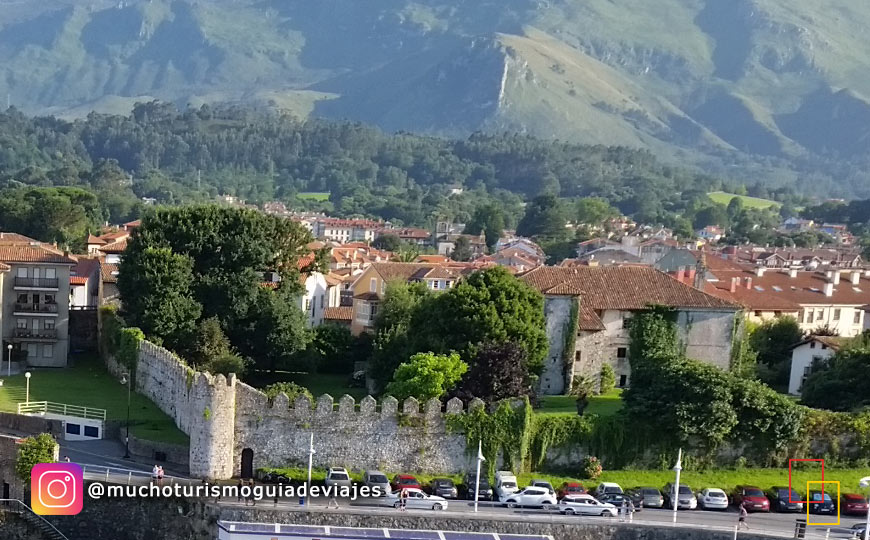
<point x="836" y="503"/>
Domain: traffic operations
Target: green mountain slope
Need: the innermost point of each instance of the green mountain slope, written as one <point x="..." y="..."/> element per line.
<point x="707" y="81"/>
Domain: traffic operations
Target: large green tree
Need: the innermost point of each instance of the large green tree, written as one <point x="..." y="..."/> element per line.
<point x="426" y="375"/>
<point x="773" y="341"/>
<point x="840" y="383"/>
<point x="208" y="261"/>
<point x="545" y="217"/>
<point x="488" y="219"/>
<point x="488" y="306"/>
<point x="393" y="342"/>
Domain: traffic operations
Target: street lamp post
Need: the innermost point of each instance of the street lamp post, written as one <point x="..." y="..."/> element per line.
<point x="865" y="483"/>
<point x="128" y="380"/>
<point x="480" y="459"/>
<point x="310" y="464"/>
<point x="27" y="392"/>
<point x="9" y="360"/>
<point x="675" y="496"/>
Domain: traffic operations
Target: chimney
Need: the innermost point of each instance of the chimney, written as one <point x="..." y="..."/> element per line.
<point x="792" y="273"/>
<point x="734" y="281"/>
<point x="829" y="289"/>
<point x="835" y="279"/>
<point x="748" y="282"/>
<point x="690" y="277"/>
<point x="759" y="271"/>
<point x="829" y="274"/>
<point x="856" y="277"/>
<point x="681" y="274"/>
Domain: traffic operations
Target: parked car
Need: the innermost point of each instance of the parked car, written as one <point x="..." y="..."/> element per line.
<point x="712" y="499"/>
<point x="530" y="496"/>
<point x="377" y="480"/>
<point x="606" y="487"/>
<point x="585" y="505"/>
<point x="783" y="499"/>
<point x="467" y="487"/>
<point x="751" y="498"/>
<point x="416" y="499"/>
<point x="543" y="484"/>
<point x="443" y="487"/>
<point x="857" y="530"/>
<point x="404" y="481"/>
<point x="337" y="476"/>
<point x="272" y="477"/>
<point x="821" y="503"/>
<point x="505" y="484"/>
<point x="571" y="488"/>
<point x="615" y="499"/>
<point x="853" y="504"/>
<point x="686" y="499"/>
<point x="648" y="497"/>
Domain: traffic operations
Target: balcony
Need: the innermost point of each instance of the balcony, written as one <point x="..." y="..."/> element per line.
<point x="47" y="309"/>
<point x="36" y="283"/>
<point x="27" y="333"/>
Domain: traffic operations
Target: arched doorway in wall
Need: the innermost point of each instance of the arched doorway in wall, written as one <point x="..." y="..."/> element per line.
<point x="247" y="463"/>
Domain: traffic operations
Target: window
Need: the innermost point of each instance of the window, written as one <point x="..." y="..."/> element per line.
<point x="31" y="350"/>
<point x="578" y="355"/>
<point x="857" y="319"/>
<point x="626" y="321"/>
<point x="48" y="324"/>
<point x="820" y="314"/>
<point x="435" y="284"/>
<point x="48" y="351"/>
<point x="49" y="299"/>
<point x="758" y="314"/>
<point x="22" y="272"/>
<point x="809" y="316"/>
<point x="777" y="314"/>
<point x="812" y="344"/>
<point x="373" y="285"/>
<point x="21" y="323"/>
<point x="307" y="304"/>
<point x="373" y="311"/>
<point x="837" y="314"/>
<point x="50" y="273"/>
<point x="73" y="429"/>
<point x="23" y="299"/>
<point x="621" y="352"/>
<point x="322" y="296"/>
<point x="92" y="431"/>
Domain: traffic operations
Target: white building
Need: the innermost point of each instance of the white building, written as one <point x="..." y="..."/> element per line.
<point x="807" y="354"/>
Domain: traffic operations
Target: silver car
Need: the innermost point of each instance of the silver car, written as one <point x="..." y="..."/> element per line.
<point x="377" y="480"/>
<point x="337" y="476"/>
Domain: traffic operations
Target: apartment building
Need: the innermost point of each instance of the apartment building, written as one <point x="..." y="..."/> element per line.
<point x="346" y="230"/>
<point x="34" y="300"/>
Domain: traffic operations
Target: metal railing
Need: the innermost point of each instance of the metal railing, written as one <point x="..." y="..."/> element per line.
<point x="41" y="283"/>
<point x="16" y="506"/>
<point x="35" y="308"/>
<point x="115" y="475"/>
<point x="45" y="333"/>
<point x="48" y="407"/>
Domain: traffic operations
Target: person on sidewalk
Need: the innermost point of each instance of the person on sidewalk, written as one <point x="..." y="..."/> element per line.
<point x="239" y="487"/>
<point x="154" y="473"/>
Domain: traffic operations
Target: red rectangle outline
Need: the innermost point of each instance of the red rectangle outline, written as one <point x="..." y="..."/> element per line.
<point x="789" y="481"/>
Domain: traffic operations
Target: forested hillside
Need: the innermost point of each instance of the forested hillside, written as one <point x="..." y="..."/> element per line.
<point x="196" y="155"/>
<point x="769" y="90"/>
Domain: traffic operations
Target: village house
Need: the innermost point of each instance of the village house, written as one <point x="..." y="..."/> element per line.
<point x="346" y="230"/>
<point x="807" y="355"/>
<point x="370" y="286"/>
<point x="34" y="300"/>
<point x="606" y="298"/>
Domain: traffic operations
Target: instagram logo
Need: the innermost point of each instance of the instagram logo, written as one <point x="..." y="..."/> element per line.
<point x="56" y="489"/>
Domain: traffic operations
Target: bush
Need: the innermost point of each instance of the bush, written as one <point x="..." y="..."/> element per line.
<point x="34" y="450"/>
<point x="590" y="468"/>
<point x="292" y="390"/>
<point x="225" y="364"/>
<point x="608" y="379"/>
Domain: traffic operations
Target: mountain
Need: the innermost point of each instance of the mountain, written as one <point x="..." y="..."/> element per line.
<point x="770" y="88"/>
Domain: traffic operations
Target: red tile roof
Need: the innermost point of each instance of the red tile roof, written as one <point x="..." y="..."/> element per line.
<point x="13" y="238"/>
<point x="95" y="240"/>
<point x="38" y="253"/>
<point x="432" y="259"/>
<point x="621" y="287"/>
<point x="805" y="288"/>
<point x="109" y="273"/>
<point x="78" y="280"/>
<point x="342" y="313"/>
<point x="589" y="320"/>
<point x="408" y="271"/>
<point x="115" y="247"/>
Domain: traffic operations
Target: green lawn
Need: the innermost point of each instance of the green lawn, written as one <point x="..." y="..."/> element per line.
<point x="603" y="405"/>
<point x="749" y="202"/>
<point x="724" y="479"/>
<point x="88" y="384"/>
<point x="313" y="196"/>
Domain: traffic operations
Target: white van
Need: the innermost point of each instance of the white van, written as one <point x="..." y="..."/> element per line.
<point x="505" y="484"/>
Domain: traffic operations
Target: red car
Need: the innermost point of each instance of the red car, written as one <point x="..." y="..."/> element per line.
<point x="571" y="488"/>
<point x="854" y="504"/>
<point x="752" y="498"/>
<point x="404" y="481"/>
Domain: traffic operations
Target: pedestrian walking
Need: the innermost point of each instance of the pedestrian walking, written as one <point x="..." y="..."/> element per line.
<point x="66" y="459"/>
<point x="239" y="487"/>
<point x="623" y="509"/>
<point x="403" y="499"/>
<point x="741" y="521"/>
<point x="154" y="473"/>
<point x="160" y="476"/>
<point x="630" y="510"/>
<point x="251" y="495"/>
